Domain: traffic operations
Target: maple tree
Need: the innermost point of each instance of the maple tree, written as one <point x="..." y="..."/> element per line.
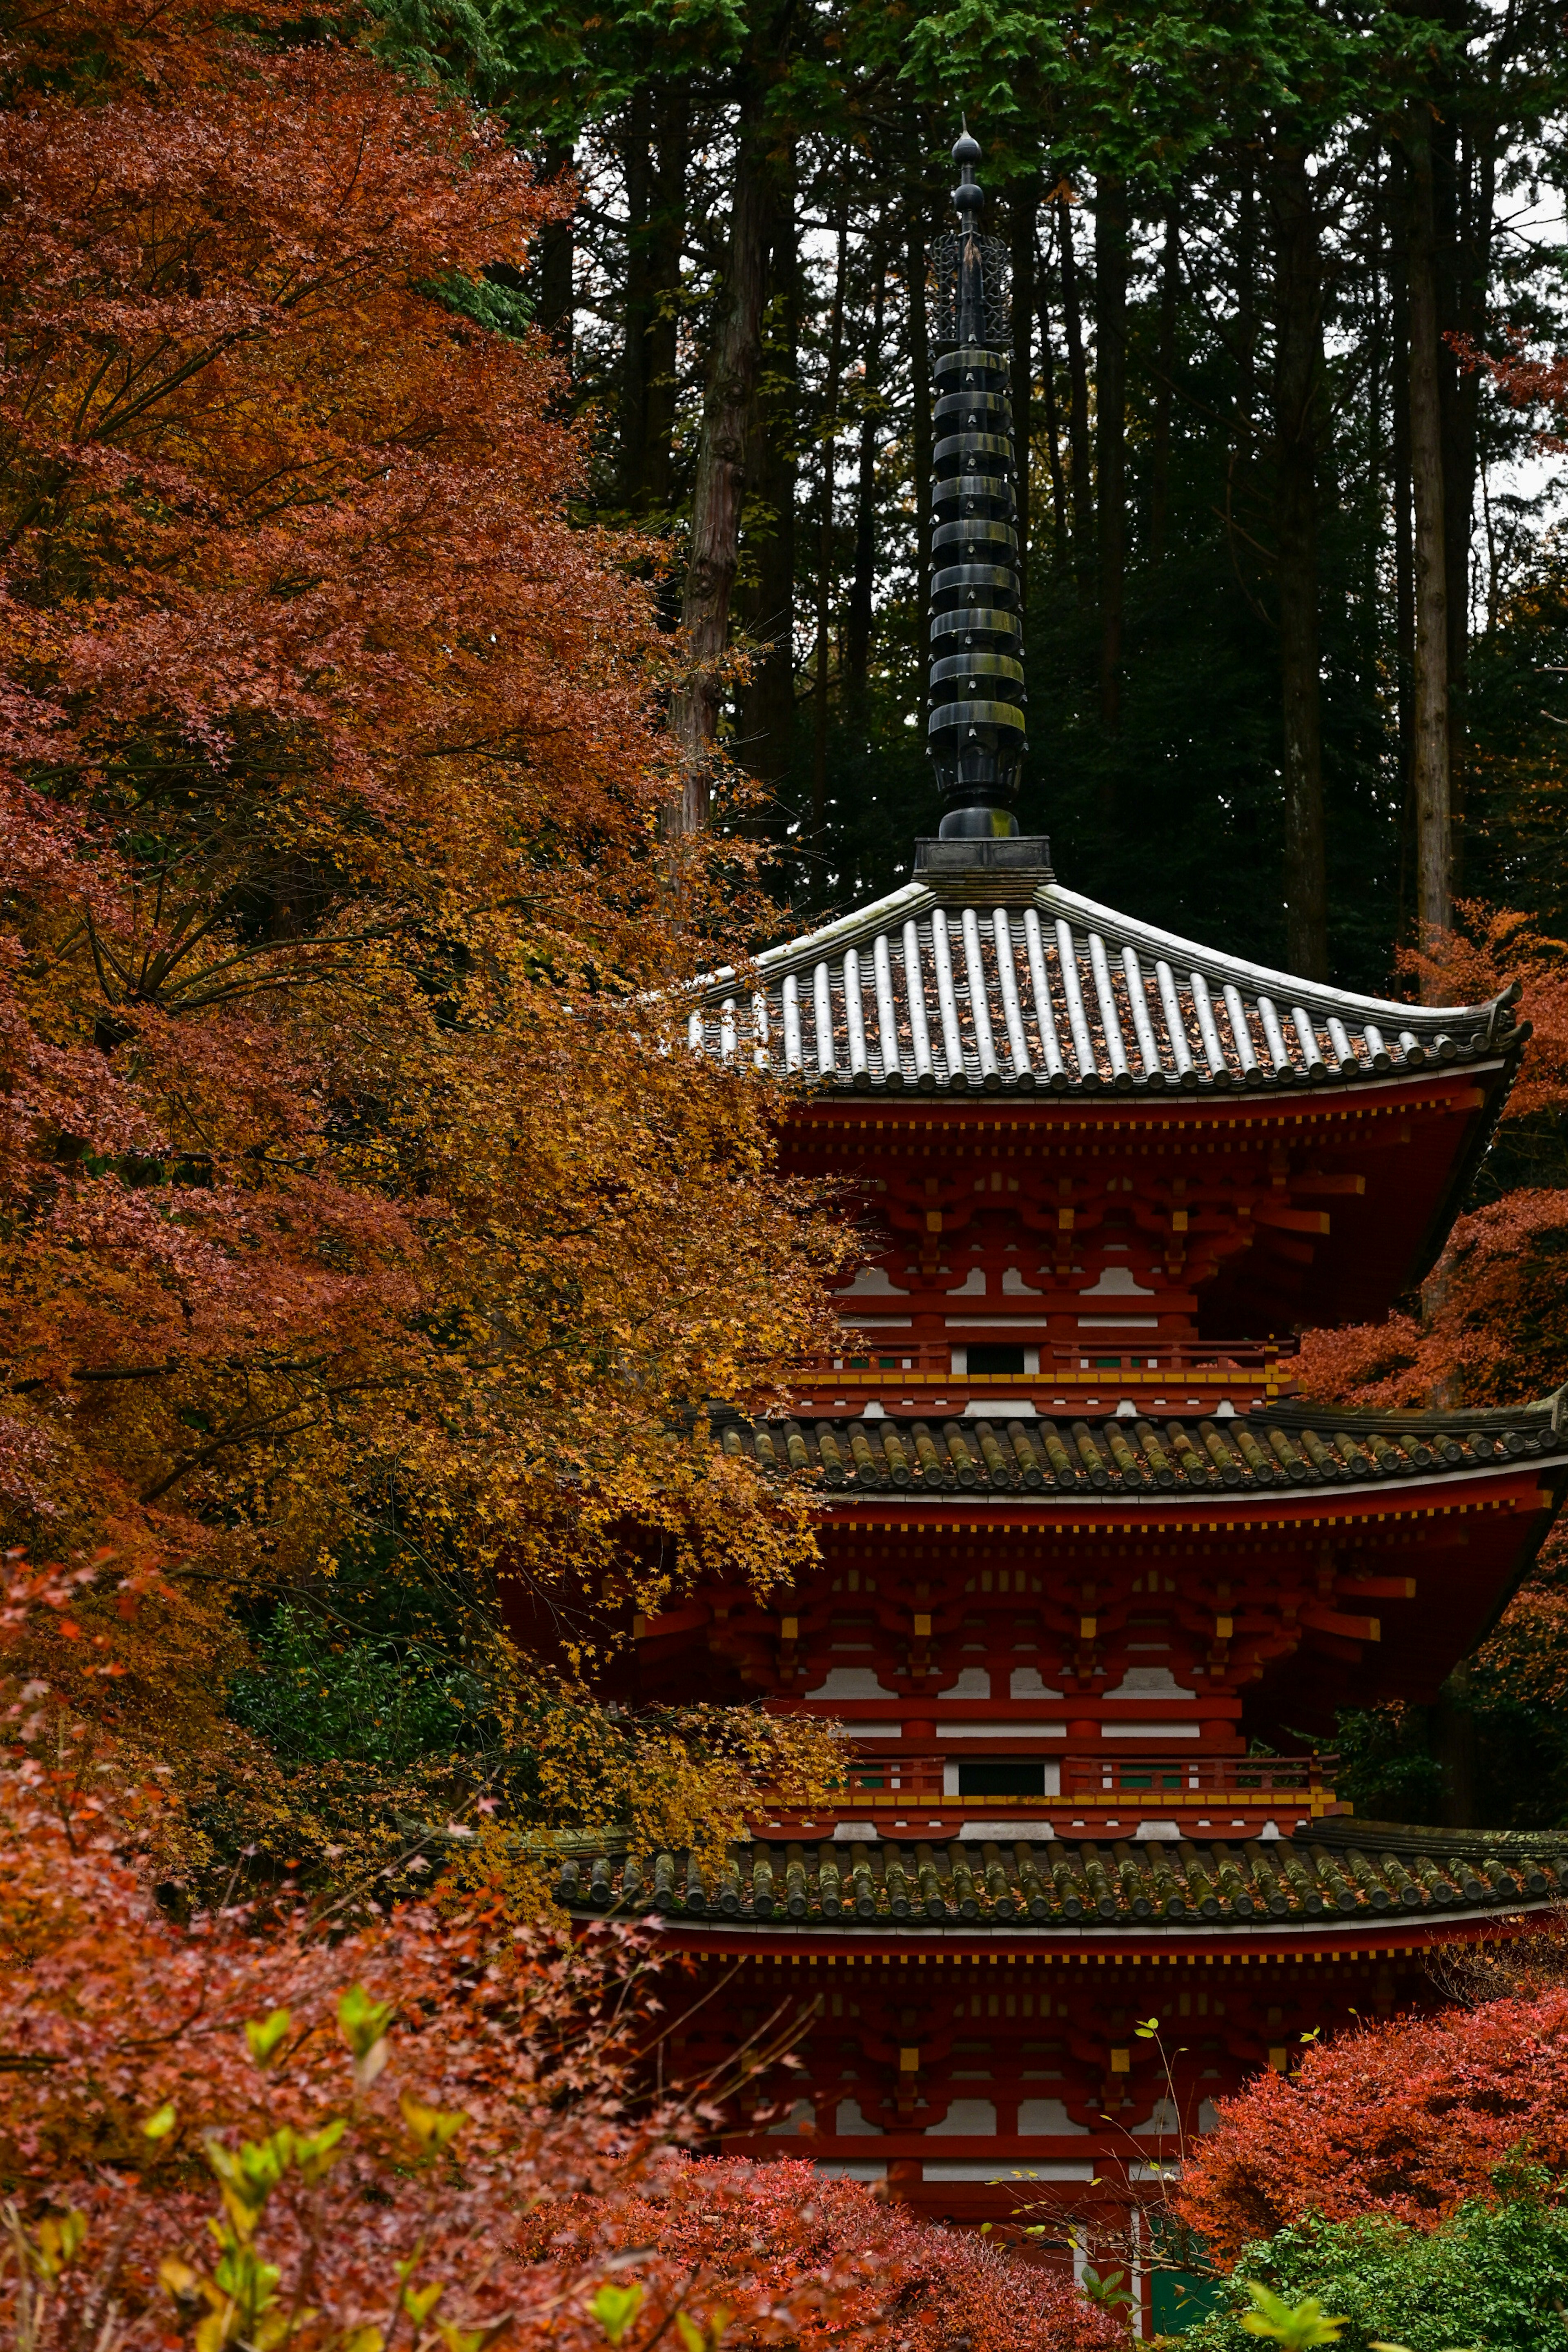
<point x="1527" y="1656"/>
<point x="1527" y="382"/>
<point x="1405" y="2118"/>
<point x="139" y="1690"/>
<point x="402" y="2120"/>
<point x="364" y="1220"/>
<point x="349" y="1189"/>
<point x="754" y="2231"/>
<point x="1492" y="1324"/>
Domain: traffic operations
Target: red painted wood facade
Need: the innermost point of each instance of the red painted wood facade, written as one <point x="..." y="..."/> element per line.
<point x="1084" y="1550"/>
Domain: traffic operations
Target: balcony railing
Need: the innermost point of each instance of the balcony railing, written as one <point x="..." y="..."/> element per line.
<point x="1198" y="1779"/>
<point x="874" y="1360"/>
<point x="1172" y="1784"/>
<point x="912" y="1779"/>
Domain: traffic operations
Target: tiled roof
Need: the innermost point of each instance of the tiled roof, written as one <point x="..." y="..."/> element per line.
<point x="1284" y="1446"/>
<point x="993" y="976"/>
<point x="1338" y="1872"/>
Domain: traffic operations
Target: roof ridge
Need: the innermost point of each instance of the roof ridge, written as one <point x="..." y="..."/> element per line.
<point x="1420" y="1837"/>
<point x="1150" y="1455"/>
<point x="1306" y="1411"/>
<point x="987" y="886"/>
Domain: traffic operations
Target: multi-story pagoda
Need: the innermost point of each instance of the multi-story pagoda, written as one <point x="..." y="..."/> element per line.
<point x="1090" y="1567"/>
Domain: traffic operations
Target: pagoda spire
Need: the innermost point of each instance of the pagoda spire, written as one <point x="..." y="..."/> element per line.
<point x="976" y="730"/>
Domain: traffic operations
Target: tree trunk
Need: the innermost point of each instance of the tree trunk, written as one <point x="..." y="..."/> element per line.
<point x="555" y="263"/>
<point x="1053" y="429"/>
<point x="858" y="650"/>
<point x="1429" y="734"/>
<point x="767" y="716"/>
<point x="665" y="236"/>
<point x="1164" y="381"/>
<point x="916" y="231"/>
<point x="826" y="550"/>
<point x="1453" y="1735"/>
<point x="1400" y="499"/>
<point x="1298" y="415"/>
<point x="1111" y="230"/>
<point x="637" y="162"/>
<point x="721" y="451"/>
<point x="1369" y="634"/>
<point x="1025" y="201"/>
<point x="1078" y="395"/>
<point x="1245" y="314"/>
<point x="1466" y="184"/>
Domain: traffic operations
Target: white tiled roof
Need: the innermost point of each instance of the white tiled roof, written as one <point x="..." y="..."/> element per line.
<point x="937" y="987"/>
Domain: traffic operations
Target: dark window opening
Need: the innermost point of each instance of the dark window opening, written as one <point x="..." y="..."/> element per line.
<point x="1003" y="1776"/>
<point x="995" y="1359"/>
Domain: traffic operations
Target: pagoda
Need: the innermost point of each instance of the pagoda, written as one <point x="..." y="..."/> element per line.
<point x="1093" y="1575"/>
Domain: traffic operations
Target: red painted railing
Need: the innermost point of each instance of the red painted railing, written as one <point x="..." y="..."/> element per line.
<point x="874" y="1352"/>
<point x="1095" y="1780"/>
<point x="915" y="1777"/>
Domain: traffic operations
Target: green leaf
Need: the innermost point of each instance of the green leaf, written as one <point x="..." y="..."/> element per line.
<point x="315" y="2153"/>
<point x="264" y="2036"/>
<point x="363" y="2021"/>
<point x="1298" y="2327"/>
<point x="616" y="2308"/>
<point x="1108" y="2293"/>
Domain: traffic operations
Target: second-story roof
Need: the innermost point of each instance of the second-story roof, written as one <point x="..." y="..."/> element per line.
<point x="984" y="973"/>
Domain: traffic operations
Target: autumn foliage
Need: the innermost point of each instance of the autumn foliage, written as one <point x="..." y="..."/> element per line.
<point x="291" y="2127"/>
<point x="292" y="2139"/>
<point x="260" y="2131"/>
<point x="1525" y="381"/>
<point x="754" y="2231"/>
<point x="347" y="1191"/>
<point x="1492" y="1325"/>
<point x="1406" y="2119"/>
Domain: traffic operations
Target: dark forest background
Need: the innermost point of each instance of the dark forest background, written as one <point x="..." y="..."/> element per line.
<point x="1217" y="218"/>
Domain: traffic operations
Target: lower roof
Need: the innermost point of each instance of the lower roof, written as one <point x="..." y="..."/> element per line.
<point x="1013" y="1449"/>
<point x="1339" y="1872"/>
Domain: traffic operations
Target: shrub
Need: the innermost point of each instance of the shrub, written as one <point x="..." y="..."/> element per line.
<point x="1492" y="2274"/>
<point x="1403" y="2119"/>
<point x="286" y="2139"/>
